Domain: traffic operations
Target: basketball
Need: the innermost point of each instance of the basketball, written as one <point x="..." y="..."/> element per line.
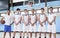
<point x="2" y="22"/>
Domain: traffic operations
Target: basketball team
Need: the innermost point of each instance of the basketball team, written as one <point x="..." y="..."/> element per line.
<point x="27" y="23"/>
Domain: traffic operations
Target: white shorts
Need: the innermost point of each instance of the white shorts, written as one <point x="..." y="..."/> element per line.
<point x="42" y="28"/>
<point x="52" y="28"/>
<point x="32" y="28"/>
<point x="25" y="28"/>
<point x="17" y="27"/>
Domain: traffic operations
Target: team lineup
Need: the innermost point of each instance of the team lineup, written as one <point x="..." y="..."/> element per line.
<point x="26" y="23"/>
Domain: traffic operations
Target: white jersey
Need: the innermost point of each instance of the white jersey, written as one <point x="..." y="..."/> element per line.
<point x="33" y="18"/>
<point x="51" y="17"/>
<point x="42" y="17"/>
<point x="51" y="28"/>
<point x="26" y="18"/>
<point x="7" y="19"/>
<point x="17" y="17"/>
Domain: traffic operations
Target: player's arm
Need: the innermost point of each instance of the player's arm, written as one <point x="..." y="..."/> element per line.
<point x="38" y="18"/>
<point x="29" y="19"/>
<point x="35" y="20"/>
<point x="53" y="19"/>
<point x="20" y="19"/>
<point x="14" y="19"/>
<point x="2" y="18"/>
<point x="48" y="20"/>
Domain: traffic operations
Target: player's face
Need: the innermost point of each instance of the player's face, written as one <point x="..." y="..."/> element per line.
<point x="32" y="11"/>
<point x="51" y="10"/>
<point x="8" y="12"/>
<point x="42" y="10"/>
<point x="25" y="11"/>
<point x="18" y="11"/>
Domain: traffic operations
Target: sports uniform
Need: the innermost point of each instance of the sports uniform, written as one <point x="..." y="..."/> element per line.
<point x="7" y="26"/>
<point x="33" y="19"/>
<point x="17" y="19"/>
<point x="51" y="28"/>
<point x="25" y="27"/>
<point x="42" y="28"/>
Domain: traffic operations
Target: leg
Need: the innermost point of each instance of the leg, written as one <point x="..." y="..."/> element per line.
<point x="14" y="34"/>
<point x="31" y="35"/>
<point x="50" y="34"/>
<point x="27" y="34"/>
<point x="35" y="34"/>
<point x="23" y="34"/>
<point x="40" y="35"/>
<point x="4" y="34"/>
<point x="45" y="34"/>
<point x="10" y="34"/>
<point x="20" y="34"/>
<point x="54" y="35"/>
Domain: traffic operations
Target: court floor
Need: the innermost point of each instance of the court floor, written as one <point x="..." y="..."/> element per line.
<point x="17" y="35"/>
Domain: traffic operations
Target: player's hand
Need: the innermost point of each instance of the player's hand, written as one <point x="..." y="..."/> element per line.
<point x="41" y="24"/>
<point x="26" y="24"/>
<point x="16" y="24"/>
<point x="32" y="24"/>
<point x="50" y="23"/>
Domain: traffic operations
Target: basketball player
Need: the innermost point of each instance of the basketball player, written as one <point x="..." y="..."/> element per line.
<point x="42" y="20"/>
<point x="17" y="22"/>
<point x="51" y="23"/>
<point x="7" y="26"/>
<point x="26" y="23"/>
<point x="33" y="23"/>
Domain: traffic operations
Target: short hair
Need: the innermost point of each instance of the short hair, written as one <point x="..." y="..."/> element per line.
<point x="33" y="9"/>
<point x="25" y="9"/>
<point x="42" y="8"/>
<point x="17" y="9"/>
<point x="51" y="7"/>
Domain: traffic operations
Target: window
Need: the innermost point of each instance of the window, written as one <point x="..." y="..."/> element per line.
<point x="55" y="10"/>
<point x="59" y="9"/>
<point x="38" y="11"/>
<point x="36" y="1"/>
<point x="30" y="12"/>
